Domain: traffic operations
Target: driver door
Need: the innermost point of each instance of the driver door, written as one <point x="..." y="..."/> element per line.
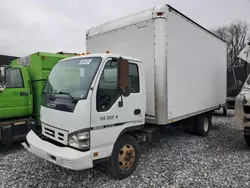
<point x="16" y="98"/>
<point x="111" y="113"/>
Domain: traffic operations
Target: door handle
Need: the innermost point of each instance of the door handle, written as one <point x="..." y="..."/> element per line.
<point x="23" y="93"/>
<point x="137" y="111"/>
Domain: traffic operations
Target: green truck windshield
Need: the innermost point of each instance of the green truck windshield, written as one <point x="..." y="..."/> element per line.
<point x="72" y="77"/>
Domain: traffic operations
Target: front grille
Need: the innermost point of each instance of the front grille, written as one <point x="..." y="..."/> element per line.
<point x="49" y="132"/>
<point x="58" y="135"/>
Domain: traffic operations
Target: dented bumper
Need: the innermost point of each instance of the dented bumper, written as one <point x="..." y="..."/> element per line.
<point x="62" y="156"/>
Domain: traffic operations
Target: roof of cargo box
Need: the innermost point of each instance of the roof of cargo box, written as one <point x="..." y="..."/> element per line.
<point x="137" y="18"/>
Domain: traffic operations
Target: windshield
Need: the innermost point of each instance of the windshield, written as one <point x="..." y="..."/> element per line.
<point x="72" y="78"/>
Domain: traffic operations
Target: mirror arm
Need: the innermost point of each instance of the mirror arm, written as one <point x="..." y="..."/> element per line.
<point x="120" y="103"/>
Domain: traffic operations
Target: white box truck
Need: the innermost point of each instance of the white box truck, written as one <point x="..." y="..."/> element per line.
<point x="162" y="68"/>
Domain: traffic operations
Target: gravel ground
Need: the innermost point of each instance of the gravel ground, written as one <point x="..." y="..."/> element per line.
<point x="221" y="159"/>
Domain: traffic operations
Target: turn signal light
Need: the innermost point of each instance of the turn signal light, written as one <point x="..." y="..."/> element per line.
<point x="107" y="51"/>
<point x="96" y="154"/>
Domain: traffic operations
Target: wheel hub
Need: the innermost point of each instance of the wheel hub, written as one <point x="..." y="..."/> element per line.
<point x="206" y="124"/>
<point x="126" y="157"/>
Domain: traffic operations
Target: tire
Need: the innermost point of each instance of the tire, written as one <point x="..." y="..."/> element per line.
<point x="203" y="124"/>
<point x="224" y="111"/>
<point x="126" y="144"/>
<point x="189" y="126"/>
<point x="247" y="139"/>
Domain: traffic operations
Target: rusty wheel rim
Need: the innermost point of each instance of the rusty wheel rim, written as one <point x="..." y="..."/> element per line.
<point x="126" y="157"/>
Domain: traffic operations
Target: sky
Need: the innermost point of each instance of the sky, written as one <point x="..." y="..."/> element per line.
<point x="29" y="26"/>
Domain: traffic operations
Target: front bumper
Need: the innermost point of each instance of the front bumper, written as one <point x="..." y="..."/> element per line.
<point x="62" y="156"/>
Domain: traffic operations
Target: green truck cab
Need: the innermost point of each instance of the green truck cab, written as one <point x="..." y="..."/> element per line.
<point x="21" y="85"/>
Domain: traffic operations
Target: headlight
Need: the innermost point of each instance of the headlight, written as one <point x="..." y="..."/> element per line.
<point x="80" y="140"/>
<point x="83" y="136"/>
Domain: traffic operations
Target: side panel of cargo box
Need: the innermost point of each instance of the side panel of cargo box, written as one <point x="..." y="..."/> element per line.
<point x="196" y="68"/>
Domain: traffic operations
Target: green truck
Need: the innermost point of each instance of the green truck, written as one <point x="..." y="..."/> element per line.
<point x="21" y="85"/>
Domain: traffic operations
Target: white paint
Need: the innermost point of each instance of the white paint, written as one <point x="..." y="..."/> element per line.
<point x="101" y="139"/>
<point x="105" y="138"/>
<point x="137" y="41"/>
<point x="68" y="121"/>
<point x="185" y="65"/>
<point x="196" y="68"/>
<point x="65" y="156"/>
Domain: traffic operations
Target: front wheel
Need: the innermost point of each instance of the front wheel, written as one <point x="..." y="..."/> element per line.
<point x="125" y="157"/>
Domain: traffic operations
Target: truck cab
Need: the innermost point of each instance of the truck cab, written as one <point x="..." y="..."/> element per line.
<point x="16" y="104"/>
<point x="87" y="103"/>
<point x="242" y="101"/>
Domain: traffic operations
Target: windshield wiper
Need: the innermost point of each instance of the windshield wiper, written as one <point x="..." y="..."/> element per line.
<point x="66" y="93"/>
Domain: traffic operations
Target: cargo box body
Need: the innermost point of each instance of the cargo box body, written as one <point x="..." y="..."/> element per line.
<point x="185" y="65"/>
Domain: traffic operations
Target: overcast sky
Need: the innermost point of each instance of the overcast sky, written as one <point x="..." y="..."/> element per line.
<point x="28" y="26"/>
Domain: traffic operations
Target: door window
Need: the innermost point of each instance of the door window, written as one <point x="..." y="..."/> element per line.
<point x="14" y="78"/>
<point x="134" y="83"/>
<point x="108" y="90"/>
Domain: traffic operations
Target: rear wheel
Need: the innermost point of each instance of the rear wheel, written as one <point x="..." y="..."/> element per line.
<point x="225" y="111"/>
<point x="189" y="125"/>
<point x="125" y="157"/>
<point x="203" y="124"/>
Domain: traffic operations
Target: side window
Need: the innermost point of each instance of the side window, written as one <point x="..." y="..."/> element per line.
<point x="134" y="82"/>
<point x="14" y="78"/>
<point x="108" y="91"/>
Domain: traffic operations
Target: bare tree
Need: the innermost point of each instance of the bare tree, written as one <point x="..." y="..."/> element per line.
<point x="237" y="34"/>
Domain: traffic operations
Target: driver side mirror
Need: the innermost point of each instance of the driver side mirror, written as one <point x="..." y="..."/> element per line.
<point x="123" y="72"/>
